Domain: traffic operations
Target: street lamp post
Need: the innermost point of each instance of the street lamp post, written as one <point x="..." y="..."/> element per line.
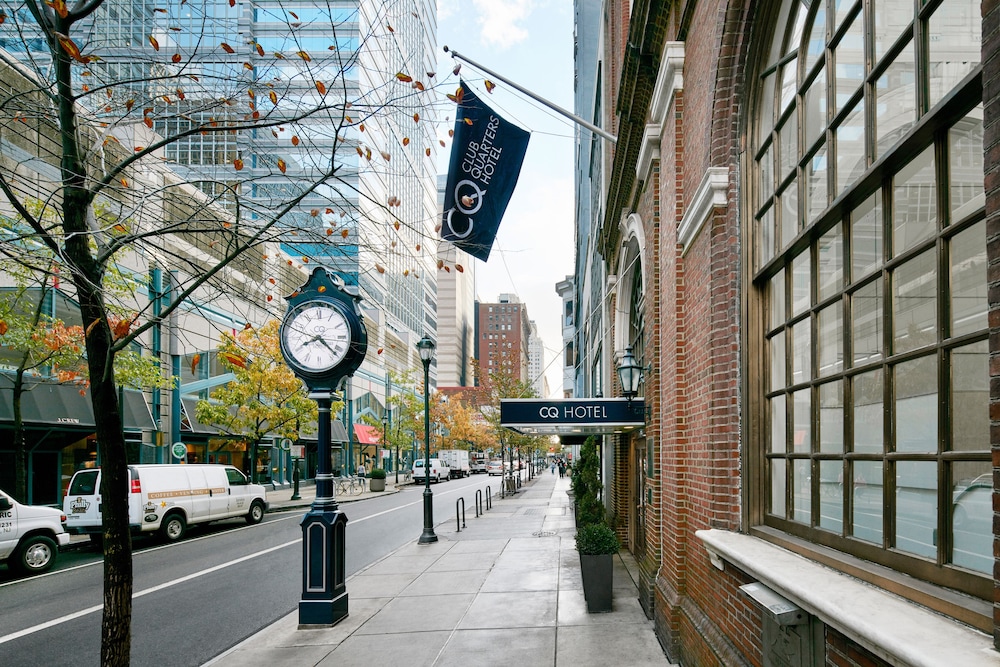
<point x="385" y="436"/>
<point x="425" y="346"/>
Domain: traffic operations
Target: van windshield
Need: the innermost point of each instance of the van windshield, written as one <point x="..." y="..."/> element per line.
<point x="84" y="483"/>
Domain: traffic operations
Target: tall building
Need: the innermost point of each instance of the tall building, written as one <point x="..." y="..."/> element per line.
<point x="536" y="362"/>
<point x="503" y="335"/>
<point x="566" y="289"/>
<point x="456" y="312"/>
<point x="797" y="231"/>
<point x="289" y="108"/>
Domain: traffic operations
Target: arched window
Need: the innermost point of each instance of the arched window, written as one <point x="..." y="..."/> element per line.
<point x="868" y="259"/>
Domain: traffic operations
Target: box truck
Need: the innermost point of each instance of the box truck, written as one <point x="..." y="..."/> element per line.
<point x="478" y="462"/>
<point x="166" y="498"/>
<point x="457" y="460"/>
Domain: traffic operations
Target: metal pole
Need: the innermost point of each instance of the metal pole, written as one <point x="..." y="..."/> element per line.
<point x="555" y="107"/>
<point x="428" y="535"/>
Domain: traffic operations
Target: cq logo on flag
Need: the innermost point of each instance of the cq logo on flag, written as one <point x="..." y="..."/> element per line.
<point x="549" y="412"/>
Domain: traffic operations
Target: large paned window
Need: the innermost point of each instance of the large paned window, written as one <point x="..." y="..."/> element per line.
<point x="869" y="261"/>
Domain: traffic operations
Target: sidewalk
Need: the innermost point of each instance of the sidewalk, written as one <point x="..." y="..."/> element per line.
<point x="506" y="590"/>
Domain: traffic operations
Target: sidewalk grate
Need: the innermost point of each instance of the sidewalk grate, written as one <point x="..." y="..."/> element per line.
<point x="544" y="533"/>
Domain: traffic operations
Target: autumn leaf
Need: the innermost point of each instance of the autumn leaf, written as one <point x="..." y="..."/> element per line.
<point x="260" y="50"/>
<point x="395" y="223"/>
<point x="419" y="86"/>
<point x="344" y="233"/>
<point x="156" y="44"/>
<point x="3" y="327"/>
<point x="385" y="156"/>
<point x="248" y="67"/>
<point x="440" y="264"/>
<point x="124" y="182"/>
<point x="460" y="268"/>
<point x="391" y="29"/>
<point x="71" y="49"/>
<point x="361" y="153"/>
<point x="314" y="212"/>
<point x="427" y="151"/>
<point x="195" y="360"/>
<point x="129" y="105"/>
<point x="451" y="133"/>
<point x="416" y="118"/>
<point x="380" y="350"/>
<point x="440" y="141"/>
<point x="321" y="88"/>
<point x="430" y="75"/>
<point x="379" y="268"/>
<point x="274" y="98"/>
<point x="361" y="127"/>
<point x="468" y="121"/>
<point x="148" y="122"/>
<point x="176" y="58"/>
<point x="368" y="154"/>
<point x="418" y="247"/>
<point x="458" y="68"/>
<point x="329" y="231"/>
<point x="227" y="48"/>
<point x="304" y="56"/>
<point x="281" y="165"/>
<point x="406" y="141"/>
<point x="489" y="86"/>
<point x="60" y="7"/>
<point x="121" y="328"/>
<point x="405" y="78"/>
<point x="238" y="163"/>
<point x="180" y="94"/>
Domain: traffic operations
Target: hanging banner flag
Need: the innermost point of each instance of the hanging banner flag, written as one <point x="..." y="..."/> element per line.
<point x="486" y="159"/>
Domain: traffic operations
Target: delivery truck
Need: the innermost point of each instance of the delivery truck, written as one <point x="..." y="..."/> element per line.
<point x="457" y="460"/>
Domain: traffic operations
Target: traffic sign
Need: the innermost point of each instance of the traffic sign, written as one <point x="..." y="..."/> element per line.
<point x="285" y="444"/>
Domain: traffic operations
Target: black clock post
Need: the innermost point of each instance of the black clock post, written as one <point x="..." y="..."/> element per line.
<point x="323" y="340"/>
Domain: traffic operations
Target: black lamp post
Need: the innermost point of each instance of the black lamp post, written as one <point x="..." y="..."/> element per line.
<point x="425" y="346"/>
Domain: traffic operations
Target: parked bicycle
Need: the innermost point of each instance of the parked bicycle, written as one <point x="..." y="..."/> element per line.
<point x="352" y="486"/>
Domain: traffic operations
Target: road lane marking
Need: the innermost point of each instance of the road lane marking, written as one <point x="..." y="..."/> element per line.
<point x="90" y="610"/>
<point x="147" y="591"/>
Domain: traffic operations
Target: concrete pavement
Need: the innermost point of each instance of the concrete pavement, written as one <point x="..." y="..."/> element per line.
<point x="505" y="590"/>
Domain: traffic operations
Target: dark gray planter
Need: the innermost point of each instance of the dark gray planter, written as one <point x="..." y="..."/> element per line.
<point x="376" y="484"/>
<point x="598" y="577"/>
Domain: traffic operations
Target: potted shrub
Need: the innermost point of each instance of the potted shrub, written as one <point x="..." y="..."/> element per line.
<point x="597" y="543"/>
<point x="376" y="479"/>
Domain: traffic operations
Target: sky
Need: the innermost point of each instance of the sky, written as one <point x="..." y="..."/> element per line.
<point x="529" y="42"/>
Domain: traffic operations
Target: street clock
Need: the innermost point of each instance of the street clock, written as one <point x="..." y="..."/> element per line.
<point x="323" y="336"/>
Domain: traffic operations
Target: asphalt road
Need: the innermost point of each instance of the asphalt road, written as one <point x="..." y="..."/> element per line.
<point x="199" y="597"/>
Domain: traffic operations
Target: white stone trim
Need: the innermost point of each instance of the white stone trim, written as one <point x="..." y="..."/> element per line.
<point x="669" y="80"/>
<point x="897" y="630"/>
<point x="648" y="151"/>
<point x="712" y="193"/>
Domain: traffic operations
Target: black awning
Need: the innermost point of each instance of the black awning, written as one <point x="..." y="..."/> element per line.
<point x="68" y="405"/>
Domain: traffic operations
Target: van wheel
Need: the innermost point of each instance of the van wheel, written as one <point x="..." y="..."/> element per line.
<point x="36" y="554"/>
<point x="256" y="513"/>
<point x="173" y="527"/>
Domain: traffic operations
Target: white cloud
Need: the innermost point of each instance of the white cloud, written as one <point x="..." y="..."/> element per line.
<point x="500" y="22"/>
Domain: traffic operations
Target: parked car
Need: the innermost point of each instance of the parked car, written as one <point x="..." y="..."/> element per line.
<point x="167" y="498"/>
<point x="30" y="536"/>
<point x="439" y="471"/>
<point x="495" y="468"/>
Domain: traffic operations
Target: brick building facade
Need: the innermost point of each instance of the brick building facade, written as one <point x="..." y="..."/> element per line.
<point x="796" y="234"/>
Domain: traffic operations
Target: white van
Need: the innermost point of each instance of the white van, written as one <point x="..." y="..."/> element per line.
<point x="30" y="536"/>
<point x="166" y="498"/>
<point x="439" y="471"/>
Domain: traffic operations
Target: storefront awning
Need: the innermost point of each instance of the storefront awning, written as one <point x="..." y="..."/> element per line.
<point x="69" y="406"/>
<point x="367" y="435"/>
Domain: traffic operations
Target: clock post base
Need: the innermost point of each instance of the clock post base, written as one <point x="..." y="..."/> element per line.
<point x="324" y="588"/>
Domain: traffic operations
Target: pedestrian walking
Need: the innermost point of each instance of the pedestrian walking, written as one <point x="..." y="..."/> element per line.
<point x="361" y="470"/>
<point x="552" y="468"/>
<point x="562" y="469"/>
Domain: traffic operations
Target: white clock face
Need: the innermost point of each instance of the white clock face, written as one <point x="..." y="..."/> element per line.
<point x="317" y="335"/>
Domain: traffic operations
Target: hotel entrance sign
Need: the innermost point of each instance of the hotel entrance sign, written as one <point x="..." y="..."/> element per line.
<point x="571" y="416"/>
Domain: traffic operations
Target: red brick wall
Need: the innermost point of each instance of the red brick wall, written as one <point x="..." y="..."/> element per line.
<point x="991" y="149"/>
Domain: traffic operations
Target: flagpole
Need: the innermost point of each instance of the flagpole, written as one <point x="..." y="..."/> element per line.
<point x="573" y="117"/>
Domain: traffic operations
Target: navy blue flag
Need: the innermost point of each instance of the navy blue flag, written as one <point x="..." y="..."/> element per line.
<point x="486" y="159"/>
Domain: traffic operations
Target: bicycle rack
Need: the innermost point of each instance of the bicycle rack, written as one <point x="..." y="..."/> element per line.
<point x="461" y="524"/>
<point x="489" y="498"/>
<point x="479" y="503"/>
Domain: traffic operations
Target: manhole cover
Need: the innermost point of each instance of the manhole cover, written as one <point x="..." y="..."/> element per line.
<point x="544" y="533"/>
